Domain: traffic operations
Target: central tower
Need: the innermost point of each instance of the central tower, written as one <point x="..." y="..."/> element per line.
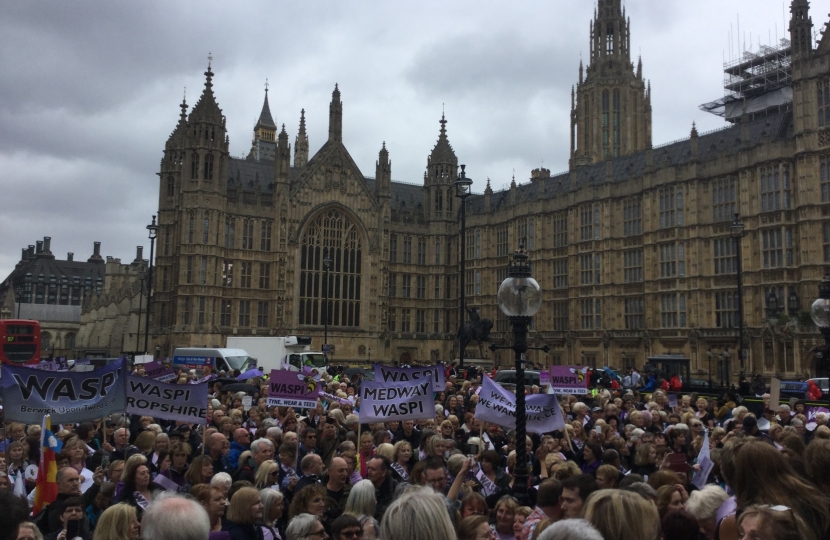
<point x="611" y="107"/>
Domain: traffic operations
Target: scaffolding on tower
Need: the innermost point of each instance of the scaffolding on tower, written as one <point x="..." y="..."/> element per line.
<point x="760" y="81"/>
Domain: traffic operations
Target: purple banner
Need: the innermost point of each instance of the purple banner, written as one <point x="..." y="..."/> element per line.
<point x="569" y="379"/>
<point x="292" y="389"/>
<point x="158" y="372"/>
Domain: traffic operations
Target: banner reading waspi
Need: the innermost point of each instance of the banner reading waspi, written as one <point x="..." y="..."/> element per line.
<point x="182" y="402"/>
<point x="498" y="406"/>
<point x="68" y="396"/>
<point x="394" y="375"/>
<point x="292" y="389"/>
<point x="380" y="402"/>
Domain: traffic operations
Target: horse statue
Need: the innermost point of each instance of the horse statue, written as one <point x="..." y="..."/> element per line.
<point x="477" y="330"/>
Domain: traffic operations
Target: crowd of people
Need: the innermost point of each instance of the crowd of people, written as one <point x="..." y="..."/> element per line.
<point x="627" y="466"/>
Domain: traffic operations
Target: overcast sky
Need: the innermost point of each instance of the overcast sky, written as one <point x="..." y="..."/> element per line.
<point x="90" y="90"/>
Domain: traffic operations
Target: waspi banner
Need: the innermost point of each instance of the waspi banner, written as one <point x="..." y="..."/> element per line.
<point x="394" y="375"/>
<point x="292" y="389"/>
<point x="29" y="394"/>
<point x="380" y="402"/>
<point x="498" y="406"/>
<point x="181" y="402"/>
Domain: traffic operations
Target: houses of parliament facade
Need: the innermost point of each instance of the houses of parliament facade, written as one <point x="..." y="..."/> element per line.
<point x="631" y="246"/>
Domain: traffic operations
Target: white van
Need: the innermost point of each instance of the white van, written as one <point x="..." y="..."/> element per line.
<point x="218" y="359"/>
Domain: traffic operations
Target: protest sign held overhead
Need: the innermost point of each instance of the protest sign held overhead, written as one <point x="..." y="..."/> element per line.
<point x="68" y="396"/>
<point x="159" y="372"/>
<point x="292" y="389"/>
<point x="568" y="379"/>
<point x="380" y="402"/>
<point x="395" y="375"/>
<point x="498" y="406"/>
<point x="184" y="403"/>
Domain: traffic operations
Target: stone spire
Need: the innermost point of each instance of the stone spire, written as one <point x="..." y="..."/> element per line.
<point x="265" y="129"/>
<point x="206" y="109"/>
<point x="335" y="117"/>
<point x="610" y="117"/>
<point x="383" y="173"/>
<point x="265" y="118"/>
<point x="801" y="29"/>
<point x="301" y="144"/>
<point x="282" y="163"/>
<point x="442" y="152"/>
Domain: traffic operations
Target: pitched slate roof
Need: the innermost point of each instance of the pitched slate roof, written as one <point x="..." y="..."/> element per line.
<point x="710" y="146"/>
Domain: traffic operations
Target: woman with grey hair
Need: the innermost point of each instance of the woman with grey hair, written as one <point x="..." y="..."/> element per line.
<point x="305" y="527"/>
<point x="418" y="514"/>
<point x="222" y="481"/>
<point x="571" y="529"/>
<point x="704" y="504"/>
<point x="273" y="506"/>
<point x="361" y="504"/>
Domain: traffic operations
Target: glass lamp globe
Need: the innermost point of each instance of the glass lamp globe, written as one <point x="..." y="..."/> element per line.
<point x="462" y="186"/>
<point x="519" y="297"/>
<point x="820" y="312"/>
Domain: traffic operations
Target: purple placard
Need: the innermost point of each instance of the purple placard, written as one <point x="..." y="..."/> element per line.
<point x="544" y="377"/>
<point x="292" y="389"/>
<point x="158" y="372"/>
<point x="569" y="379"/>
<point x="813" y="411"/>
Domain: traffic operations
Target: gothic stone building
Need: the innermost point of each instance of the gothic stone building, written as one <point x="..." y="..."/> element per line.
<point x="631" y="246"/>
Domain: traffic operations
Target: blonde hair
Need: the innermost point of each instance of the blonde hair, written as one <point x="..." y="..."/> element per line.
<point x="386" y="450"/>
<point x="622" y="515"/>
<point x="115" y="523"/>
<point x="398" y="447"/>
<point x="418" y="514"/>
<point x="132" y="464"/>
<point x="781" y="522"/>
<point x="240" y="509"/>
<point x="261" y="480"/>
<point x="145" y="441"/>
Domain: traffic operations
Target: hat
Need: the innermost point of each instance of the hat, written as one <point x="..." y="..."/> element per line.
<point x="596" y="409"/>
<point x="749" y="423"/>
<point x="183" y="428"/>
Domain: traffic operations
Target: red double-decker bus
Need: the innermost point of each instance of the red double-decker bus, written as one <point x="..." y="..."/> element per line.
<point x="19" y="341"/>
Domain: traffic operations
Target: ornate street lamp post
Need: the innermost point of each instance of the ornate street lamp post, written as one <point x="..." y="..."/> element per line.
<point x="326" y="267"/>
<point x="820" y="313"/>
<point x="737" y="232"/>
<point x="153" y="230"/>
<point x="520" y="298"/>
<point x="462" y="191"/>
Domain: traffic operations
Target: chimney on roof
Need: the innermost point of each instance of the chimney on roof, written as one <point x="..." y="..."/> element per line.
<point x="96" y="253"/>
<point x="70" y="256"/>
<point x="47" y="244"/>
<point x="39" y="248"/>
<point x="539" y="174"/>
<point x="30" y="252"/>
<point x="139" y="255"/>
<point x="23" y="254"/>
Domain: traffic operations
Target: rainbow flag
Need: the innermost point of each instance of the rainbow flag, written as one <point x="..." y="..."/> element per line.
<point x="46" y="488"/>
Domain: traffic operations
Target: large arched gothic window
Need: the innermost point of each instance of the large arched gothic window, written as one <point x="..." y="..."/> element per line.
<point x="331" y="233"/>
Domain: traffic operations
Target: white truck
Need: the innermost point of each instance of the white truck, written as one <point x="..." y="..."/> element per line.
<point x="272" y="352"/>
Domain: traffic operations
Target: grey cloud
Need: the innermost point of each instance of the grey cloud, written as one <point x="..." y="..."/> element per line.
<point x="90" y="90"/>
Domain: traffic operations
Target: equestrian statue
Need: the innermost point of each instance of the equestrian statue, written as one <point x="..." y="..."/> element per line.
<point x="477" y="330"/>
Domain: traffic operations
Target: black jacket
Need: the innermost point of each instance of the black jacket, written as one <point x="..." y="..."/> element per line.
<point x="239" y="531"/>
<point x="385" y="494"/>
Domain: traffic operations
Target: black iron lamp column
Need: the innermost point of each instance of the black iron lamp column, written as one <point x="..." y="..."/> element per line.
<point x="737" y="232"/>
<point x="153" y="230"/>
<point x="820" y="313"/>
<point x="462" y="191"/>
<point x="140" y="299"/>
<point x="326" y="267"/>
<point x="520" y="298"/>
